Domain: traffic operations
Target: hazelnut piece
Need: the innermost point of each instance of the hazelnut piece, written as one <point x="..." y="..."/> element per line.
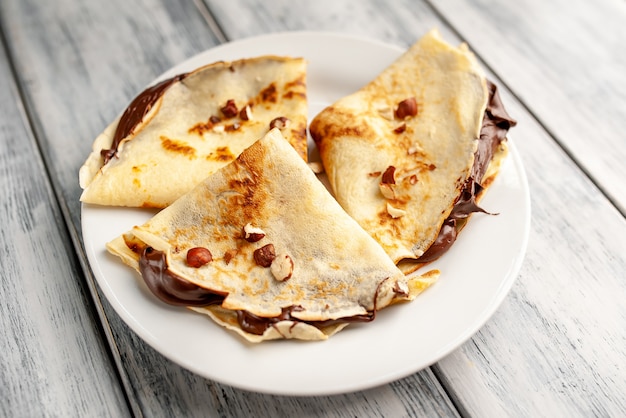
<point x="387" y="190"/>
<point x="280" y="122"/>
<point x="198" y="257"/>
<point x="386" y="112"/>
<point x="232" y="127"/>
<point x="252" y="234"/>
<point x="395" y="212"/>
<point x="265" y="255"/>
<point x="388" y="175"/>
<point x="400" y="128"/>
<point x="282" y="267"/>
<point x="230" y="109"/>
<point x="388" y="182"/>
<point x="406" y="108"/>
<point x="246" y="113"/>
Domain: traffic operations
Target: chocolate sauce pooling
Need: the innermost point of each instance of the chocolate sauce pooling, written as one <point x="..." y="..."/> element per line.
<point x="174" y="290"/>
<point x="170" y="288"/>
<point x="495" y="125"/>
<point x="135" y="112"/>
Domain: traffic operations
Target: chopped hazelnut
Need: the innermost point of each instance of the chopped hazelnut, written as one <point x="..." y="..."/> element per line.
<point x="230" y="109"/>
<point x="395" y="212"/>
<point x="252" y="234"/>
<point x="406" y="108"/>
<point x="246" y="113"/>
<point x="280" y="122"/>
<point x="232" y="127"/>
<point x="386" y="112"/>
<point x="282" y="267"/>
<point x="198" y="257"/>
<point x="415" y="149"/>
<point x="387" y="183"/>
<point x="401" y="289"/>
<point x="387" y="190"/>
<point x="388" y="175"/>
<point x="400" y="128"/>
<point x="265" y="255"/>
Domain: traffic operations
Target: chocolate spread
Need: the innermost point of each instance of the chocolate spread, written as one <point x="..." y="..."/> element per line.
<point x="257" y="325"/>
<point x="495" y="125"/>
<point x="136" y="111"/>
<point x="169" y="287"/>
<point x="175" y="290"/>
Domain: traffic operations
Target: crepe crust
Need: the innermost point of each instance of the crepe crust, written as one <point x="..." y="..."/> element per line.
<point x="361" y="136"/>
<point x="339" y="271"/>
<point x="409" y="266"/>
<point x="177" y="145"/>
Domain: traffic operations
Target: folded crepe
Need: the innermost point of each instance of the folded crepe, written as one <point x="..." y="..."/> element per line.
<point x="408" y="154"/>
<point x="177" y="132"/>
<point x="262" y="248"/>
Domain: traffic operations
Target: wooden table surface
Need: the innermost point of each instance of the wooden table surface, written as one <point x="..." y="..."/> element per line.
<point x="555" y="347"/>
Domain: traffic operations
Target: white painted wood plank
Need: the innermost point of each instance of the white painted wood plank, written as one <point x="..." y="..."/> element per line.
<point x="53" y="362"/>
<point x="72" y="64"/>
<point x="396" y="22"/>
<point x="481" y="389"/>
<point x="567" y="61"/>
<point x="556" y="347"/>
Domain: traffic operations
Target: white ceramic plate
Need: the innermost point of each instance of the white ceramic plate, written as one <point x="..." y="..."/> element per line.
<point x="477" y="272"/>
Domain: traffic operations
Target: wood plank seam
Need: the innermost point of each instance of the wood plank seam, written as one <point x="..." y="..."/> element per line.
<point x="77" y="258"/>
<point x="104" y="326"/>
<point x="214" y="26"/>
<point x="612" y="200"/>
<point x="452" y="398"/>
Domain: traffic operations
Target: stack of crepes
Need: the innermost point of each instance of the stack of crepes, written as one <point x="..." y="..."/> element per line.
<point x="250" y="236"/>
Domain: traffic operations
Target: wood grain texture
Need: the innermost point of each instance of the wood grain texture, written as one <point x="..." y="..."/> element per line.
<point x="557" y="344"/>
<point x="396" y="23"/>
<point x="78" y="74"/>
<point x="53" y="362"/>
<point x="566" y="60"/>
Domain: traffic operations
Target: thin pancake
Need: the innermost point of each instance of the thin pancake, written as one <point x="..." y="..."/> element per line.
<point x="399" y="152"/>
<point x="179" y="131"/>
<point x="336" y="272"/>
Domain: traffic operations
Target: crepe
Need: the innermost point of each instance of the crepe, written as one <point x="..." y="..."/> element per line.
<point x="177" y="132"/>
<point x="403" y="152"/>
<point x="263" y="248"/>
